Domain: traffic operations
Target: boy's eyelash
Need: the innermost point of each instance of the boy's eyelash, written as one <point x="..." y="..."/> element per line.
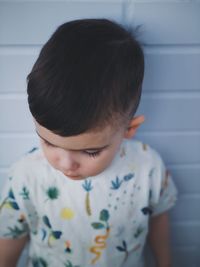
<point x="90" y="154"/>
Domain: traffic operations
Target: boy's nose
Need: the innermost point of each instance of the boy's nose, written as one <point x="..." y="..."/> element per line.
<point x="68" y="164"/>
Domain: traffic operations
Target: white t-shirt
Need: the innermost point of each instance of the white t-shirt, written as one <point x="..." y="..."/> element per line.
<point x="100" y="221"/>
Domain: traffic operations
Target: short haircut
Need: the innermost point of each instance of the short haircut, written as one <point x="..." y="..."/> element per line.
<point x="88" y="74"/>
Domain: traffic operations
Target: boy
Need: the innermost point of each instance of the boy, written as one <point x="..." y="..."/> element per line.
<point x="89" y="195"/>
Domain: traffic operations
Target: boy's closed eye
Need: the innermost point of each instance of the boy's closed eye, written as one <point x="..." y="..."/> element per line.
<point x="90" y="153"/>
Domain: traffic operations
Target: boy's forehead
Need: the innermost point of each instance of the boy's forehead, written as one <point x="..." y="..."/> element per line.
<point x="89" y="140"/>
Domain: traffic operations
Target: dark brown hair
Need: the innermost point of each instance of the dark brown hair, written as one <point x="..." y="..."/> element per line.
<point x="88" y="74"/>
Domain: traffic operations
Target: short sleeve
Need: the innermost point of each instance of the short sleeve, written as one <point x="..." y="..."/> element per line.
<point x="13" y="223"/>
<point x="163" y="192"/>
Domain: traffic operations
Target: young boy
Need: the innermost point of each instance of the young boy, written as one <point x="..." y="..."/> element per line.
<point x="90" y="195"/>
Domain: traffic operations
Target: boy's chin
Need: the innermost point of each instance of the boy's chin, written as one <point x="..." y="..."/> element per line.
<point x="82" y="177"/>
<point x="78" y="177"/>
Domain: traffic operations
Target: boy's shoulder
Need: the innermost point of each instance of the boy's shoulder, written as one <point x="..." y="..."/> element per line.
<point x="142" y="151"/>
<point x="33" y="160"/>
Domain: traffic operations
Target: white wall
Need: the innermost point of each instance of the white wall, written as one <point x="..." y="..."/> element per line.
<point x="171" y="98"/>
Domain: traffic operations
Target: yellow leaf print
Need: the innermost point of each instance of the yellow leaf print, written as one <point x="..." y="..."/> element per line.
<point x="7" y="205"/>
<point x="67" y="214"/>
<point x="51" y="239"/>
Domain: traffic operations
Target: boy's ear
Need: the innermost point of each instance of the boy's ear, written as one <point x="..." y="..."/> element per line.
<point x="133" y="126"/>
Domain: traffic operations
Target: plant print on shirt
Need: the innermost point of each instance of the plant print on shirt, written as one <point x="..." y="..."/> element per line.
<point x="83" y="223"/>
<point x="124" y="248"/>
<point x="100" y="240"/>
<point x="39" y="262"/>
<point x="69" y="264"/>
<point x="116" y="184"/>
<point x="9" y="202"/>
<point x="25" y="193"/>
<point x="67" y="213"/>
<point x="52" y="193"/>
<point x="87" y="185"/>
<point x="20" y="227"/>
<point x="52" y="234"/>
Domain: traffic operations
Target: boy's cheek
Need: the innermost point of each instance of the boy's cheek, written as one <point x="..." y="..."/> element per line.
<point x="100" y="165"/>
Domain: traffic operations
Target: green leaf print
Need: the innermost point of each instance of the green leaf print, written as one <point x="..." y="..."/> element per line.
<point x="87" y="185"/>
<point x="9" y="201"/>
<point x="39" y="262"/>
<point x="116" y="184"/>
<point x="10" y="194"/>
<point x="124" y="249"/>
<point x="69" y="264"/>
<point x="128" y="177"/>
<point x="25" y="193"/>
<point x="151" y="173"/>
<point x="15" y="232"/>
<point x="104" y="215"/>
<point x="13" y="205"/>
<point x="97" y="225"/>
<point x="139" y="230"/>
<point x="46" y="221"/>
<point x="53" y="193"/>
<point x="56" y="234"/>
<point x="32" y="150"/>
<point x="52" y="235"/>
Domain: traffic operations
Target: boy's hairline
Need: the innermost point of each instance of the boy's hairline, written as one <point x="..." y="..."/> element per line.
<point x="94" y="148"/>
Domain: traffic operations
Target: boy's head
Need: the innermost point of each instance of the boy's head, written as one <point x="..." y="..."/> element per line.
<point x="88" y="77"/>
<point x="89" y="74"/>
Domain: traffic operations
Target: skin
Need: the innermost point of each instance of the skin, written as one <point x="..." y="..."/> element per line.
<point x="87" y="154"/>
<point x="10" y="250"/>
<point x="78" y="157"/>
<point x="159" y="240"/>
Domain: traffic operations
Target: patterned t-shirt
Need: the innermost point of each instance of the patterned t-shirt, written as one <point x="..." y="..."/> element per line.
<point x="100" y="221"/>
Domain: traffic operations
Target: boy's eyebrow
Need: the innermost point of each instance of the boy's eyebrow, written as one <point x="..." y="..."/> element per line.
<point x="94" y="148"/>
